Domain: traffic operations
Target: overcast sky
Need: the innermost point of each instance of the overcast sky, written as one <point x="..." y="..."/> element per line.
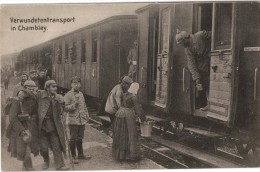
<point x="85" y="14"/>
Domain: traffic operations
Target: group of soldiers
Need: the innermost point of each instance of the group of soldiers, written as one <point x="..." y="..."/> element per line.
<point x="40" y="119"/>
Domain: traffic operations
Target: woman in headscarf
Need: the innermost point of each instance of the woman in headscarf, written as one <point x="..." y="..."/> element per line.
<point x="125" y="137"/>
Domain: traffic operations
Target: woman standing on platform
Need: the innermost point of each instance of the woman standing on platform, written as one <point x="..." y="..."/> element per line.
<point x="125" y="137"/>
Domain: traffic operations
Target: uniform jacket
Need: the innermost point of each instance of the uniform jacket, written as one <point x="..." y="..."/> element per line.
<point x="16" y="145"/>
<point x="17" y="88"/>
<point x="132" y="56"/>
<point x="114" y="99"/>
<point x="198" y="53"/>
<point x="44" y="101"/>
<point x="78" y="115"/>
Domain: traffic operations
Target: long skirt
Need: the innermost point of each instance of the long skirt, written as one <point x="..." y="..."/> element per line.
<point x="125" y="137"/>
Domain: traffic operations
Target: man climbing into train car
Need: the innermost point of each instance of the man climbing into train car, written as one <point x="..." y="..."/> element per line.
<point x="114" y="99"/>
<point x="78" y="116"/>
<point x="24" y="77"/>
<point x="132" y="60"/>
<point x="197" y="47"/>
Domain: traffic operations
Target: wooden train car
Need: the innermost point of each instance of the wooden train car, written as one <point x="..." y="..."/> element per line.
<point x="97" y="53"/>
<point x="35" y="57"/>
<point x="166" y="84"/>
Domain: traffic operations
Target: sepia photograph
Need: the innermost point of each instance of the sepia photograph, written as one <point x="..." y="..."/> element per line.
<point x="130" y="86"/>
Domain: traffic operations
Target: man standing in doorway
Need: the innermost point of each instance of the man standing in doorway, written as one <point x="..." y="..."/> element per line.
<point x="197" y="47"/>
<point x="132" y="60"/>
<point x="78" y="116"/>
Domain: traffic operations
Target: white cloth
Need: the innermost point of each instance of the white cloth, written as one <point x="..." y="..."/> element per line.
<point x="134" y="88"/>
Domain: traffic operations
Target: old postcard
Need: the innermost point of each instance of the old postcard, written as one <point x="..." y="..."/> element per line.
<point x="115" y="86"/>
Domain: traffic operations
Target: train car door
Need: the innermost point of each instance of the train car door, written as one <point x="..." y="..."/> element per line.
<point x="183" y="20"/>
<point x="110" y="60"/>
<point x="249" y="67"/>
<point x="162" y="78"/>
<point x="202" y="21"/>
<point x="94" y="65"/>
<point x="223" y="65"/>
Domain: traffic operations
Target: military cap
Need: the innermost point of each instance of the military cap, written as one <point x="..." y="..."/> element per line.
<point x="23" y="73"/>
<point x="42" y="70"/>
<point x="32" y="72"/>
<point x="128" y="80"/>
<point x="48" y="83"/>
<point x="181" y="35"/>
<point x="29" y="83"/>
<point x="75" y="79"/>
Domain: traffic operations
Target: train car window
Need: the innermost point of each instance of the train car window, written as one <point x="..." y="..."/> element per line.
<point x="83" y="51"/>
<point x="58" y="51"/>
<point x="66" y="52"/>
<point x="94" y="49"/>
<point x="73" y="53"/>
<point x="223" y="25"/>
<point x="27" y="59"/>
<point x="31" y="58"/>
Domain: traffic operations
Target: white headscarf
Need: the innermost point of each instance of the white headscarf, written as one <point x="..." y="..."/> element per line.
<point x="134" y="88"/>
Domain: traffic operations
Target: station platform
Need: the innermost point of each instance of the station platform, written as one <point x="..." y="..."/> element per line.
<point x="96" y="144"/>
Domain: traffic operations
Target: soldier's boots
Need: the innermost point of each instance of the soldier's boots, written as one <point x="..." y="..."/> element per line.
<point x="73" y="152"/>
<point x="80" y="151"/>
<point x="27" y="164"/>
<point x="46" y="165"/>
<point x="63" y="168"/>
<point x="75" y="160"/>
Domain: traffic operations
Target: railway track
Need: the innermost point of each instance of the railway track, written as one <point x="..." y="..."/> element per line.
<point x="169" y="157"/>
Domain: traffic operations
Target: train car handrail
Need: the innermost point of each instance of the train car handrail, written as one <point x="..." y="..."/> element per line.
<point x="255" y="82"/>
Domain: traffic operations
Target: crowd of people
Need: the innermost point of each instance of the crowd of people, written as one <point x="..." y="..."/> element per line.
<point x="40" y="120"/>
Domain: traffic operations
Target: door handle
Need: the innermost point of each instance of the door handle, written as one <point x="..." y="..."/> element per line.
<point x="255" y="83"/>
<point x="93" y="73"/>
<point x="142" y="82"/>
<point x="183" y="79"/>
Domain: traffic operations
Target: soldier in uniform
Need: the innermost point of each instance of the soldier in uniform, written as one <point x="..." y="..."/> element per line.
<point x="22" y="130"/>
<point x="197" y="47"/>
<point x="33" y="76"/>
<point x="24" y="77"/>
<point x="132" y="60"/>
<point x="50" y="125"/>
<point x="41" y="79"/>
<point x="78" y="116"/>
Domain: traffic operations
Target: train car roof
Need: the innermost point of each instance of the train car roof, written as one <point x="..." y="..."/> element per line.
<point x="106" y="20"/>
<point x="139" y="10"/>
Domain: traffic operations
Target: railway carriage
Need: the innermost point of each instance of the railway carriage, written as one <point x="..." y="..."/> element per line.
<point x="97" y="53"/>
<point x="166" y="84"/>
<point x="35" y="57"/>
